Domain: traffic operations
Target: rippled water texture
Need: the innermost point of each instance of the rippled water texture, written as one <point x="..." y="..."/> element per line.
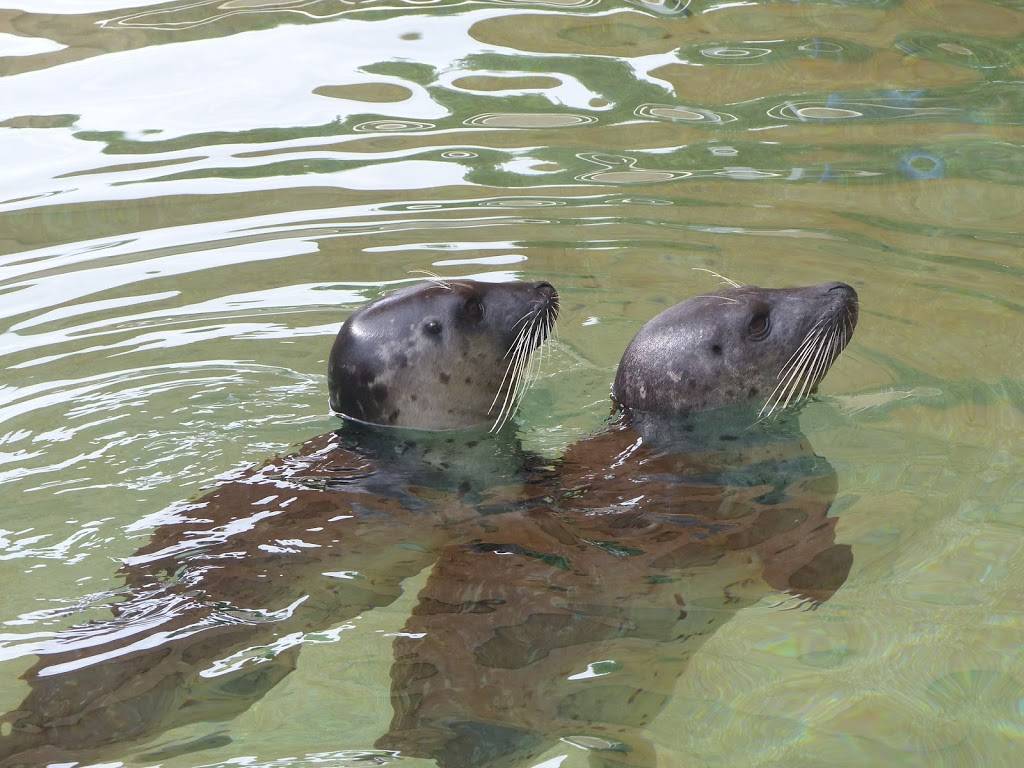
<point x="195" y="194"/>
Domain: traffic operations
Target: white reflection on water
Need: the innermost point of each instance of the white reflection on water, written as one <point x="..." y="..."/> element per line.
<point x="16" y="45"/>
<point x="75" y="6"/>
<point x="201" y="85"/>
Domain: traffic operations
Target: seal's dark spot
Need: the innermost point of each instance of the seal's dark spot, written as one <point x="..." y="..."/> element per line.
<point x="413" y="398"/>
<point x="444" y="377"/>
<point x="728" y="438"/>
<point x="472" y="444"/>
<point x="393" y="416"/>
<point x="401" y="360"/>
<point x="752" y="392"/>
<point x="469" y="379"/>
<point x="379" y="392"/>
<point x="716" y="349"/>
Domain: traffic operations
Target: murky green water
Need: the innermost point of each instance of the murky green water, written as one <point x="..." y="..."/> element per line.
<point x="195" y="194"/>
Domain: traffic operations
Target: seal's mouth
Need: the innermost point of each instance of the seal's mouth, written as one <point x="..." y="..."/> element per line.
<point x="807" y="366"/>
<point x="531" y="330"/>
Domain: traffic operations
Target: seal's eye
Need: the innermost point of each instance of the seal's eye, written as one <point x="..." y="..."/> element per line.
<point x="432" y="327"/>
<point x="759" y="326"/>
<point x="473" y="310"/>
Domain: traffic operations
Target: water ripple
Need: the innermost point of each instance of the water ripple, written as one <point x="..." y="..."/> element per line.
<point x="196" y="194"/>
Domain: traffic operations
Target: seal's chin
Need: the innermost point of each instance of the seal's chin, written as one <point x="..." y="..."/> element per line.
<point x="826" y="338"/>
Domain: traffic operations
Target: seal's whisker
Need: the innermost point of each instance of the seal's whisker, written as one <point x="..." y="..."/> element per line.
<point x="523" y="318"/>
<point x="794" y="383"/>
<point x="515" y="343"/>
<point x="790" y="373"/>
<point x="526" y="374"/>
<point x="811" y="375"/>
<point x="525" y="357"/>
<point x="513" y="373"/>
<point x="793" y="373"/>
<point x="524" y="366"/>
<point x="433" y="278"/>
<point x="801" y="369"/>
<point x="513" y="355"/>
<point x="800" y="347"/>
<point x="821" y="357"/>
<point x="721" y="277"/>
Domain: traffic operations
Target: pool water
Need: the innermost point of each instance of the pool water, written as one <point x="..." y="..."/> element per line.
<point x="196" y="194"/>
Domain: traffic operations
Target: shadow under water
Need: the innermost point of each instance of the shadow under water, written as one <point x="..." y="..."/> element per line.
<point x="573" y="622"/>
<point x="563" y="603"/>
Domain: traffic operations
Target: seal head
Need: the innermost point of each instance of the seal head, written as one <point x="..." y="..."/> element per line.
<point x="766" y="347"/>
<point x="440" y="355"/>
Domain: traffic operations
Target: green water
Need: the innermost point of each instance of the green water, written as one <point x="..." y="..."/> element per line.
<point x="195" y="194"/>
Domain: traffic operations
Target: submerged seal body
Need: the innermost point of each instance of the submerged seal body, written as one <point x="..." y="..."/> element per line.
<point x="443" y="355"/>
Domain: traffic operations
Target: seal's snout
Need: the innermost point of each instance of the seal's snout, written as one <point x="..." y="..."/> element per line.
<point x="849" y="302"/>
<point x="547" y="295"/>
<point x="547" y="291"/>
<point x="842" y="289"/>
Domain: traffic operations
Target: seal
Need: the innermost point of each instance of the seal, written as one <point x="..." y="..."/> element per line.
<point x="304" y="540"/>
<point x="735" y="347"/>
<point x="442" y="355"/>
<point x="696" y="502"/>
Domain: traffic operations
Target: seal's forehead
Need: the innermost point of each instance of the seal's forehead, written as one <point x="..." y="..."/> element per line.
<point x="422" y="297"/>
<point x="726" y="299"/>
<point x="754" y="294"/>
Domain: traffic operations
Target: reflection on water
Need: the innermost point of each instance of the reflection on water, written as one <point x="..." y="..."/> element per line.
<point x="530" y="573"/>
<point x="194" y="196"/>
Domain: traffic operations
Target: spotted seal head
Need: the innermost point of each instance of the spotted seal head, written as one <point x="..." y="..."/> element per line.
<point x="440" y="355"/>
<point x="763" y="347"/>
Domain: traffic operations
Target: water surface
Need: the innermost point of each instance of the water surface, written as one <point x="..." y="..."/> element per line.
<point x="196" y="194"/>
